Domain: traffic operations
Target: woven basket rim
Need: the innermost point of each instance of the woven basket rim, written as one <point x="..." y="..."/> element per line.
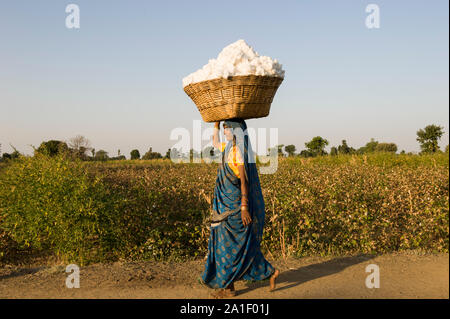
<point x="234" y="77"/>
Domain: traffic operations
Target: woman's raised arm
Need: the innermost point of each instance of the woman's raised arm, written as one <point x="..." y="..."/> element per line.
<point x="216" y="143"/>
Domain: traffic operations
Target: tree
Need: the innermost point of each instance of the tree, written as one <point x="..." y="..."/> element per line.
<point x="52" y="147"/>
<point x="306" y="153"/>
<point x="14" y="154"/>
<point x="151" y="155"/>
<point x="386" y="147"/>
<point x="167" y="156"/>
<point x="11" y="156"/>
<point x="80" y="145"/>
<point x="333" y="151"/>
<point x="345" y="149"/>
<point x="280" y="149"/>
<point x="101" y="155"/>
<point x="428" y="138"/>
<point x="135" y="155"/>
<point x="317" y="146"/>
<point x="290" y="149"/>
<point x="369" y="147"/>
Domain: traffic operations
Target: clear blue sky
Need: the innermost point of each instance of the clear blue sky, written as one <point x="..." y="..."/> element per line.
<point x="117" y="79"/>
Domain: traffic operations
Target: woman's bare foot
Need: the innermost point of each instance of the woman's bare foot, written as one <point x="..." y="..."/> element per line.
<point x="273" y="280"/>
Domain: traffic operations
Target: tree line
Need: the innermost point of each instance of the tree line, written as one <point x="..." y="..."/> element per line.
<point x="81" y="148"/>
<point x="428" y="139"/>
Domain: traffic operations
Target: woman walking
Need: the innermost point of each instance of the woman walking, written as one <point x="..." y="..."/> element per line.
<point x="238" y="216"/>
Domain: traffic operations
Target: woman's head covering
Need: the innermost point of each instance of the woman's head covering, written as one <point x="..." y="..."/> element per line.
<point x="239" y="130"/>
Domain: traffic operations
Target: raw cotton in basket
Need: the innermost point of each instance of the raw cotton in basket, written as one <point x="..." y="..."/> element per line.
<point x="237" y="58"/>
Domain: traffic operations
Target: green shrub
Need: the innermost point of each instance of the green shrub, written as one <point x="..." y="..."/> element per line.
<point x="50" y="203"/>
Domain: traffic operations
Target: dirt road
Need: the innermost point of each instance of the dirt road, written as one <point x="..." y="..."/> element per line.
<point x="401" y="275"/>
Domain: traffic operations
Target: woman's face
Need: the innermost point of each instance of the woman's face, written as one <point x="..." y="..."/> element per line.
<point x="228" y="133"/>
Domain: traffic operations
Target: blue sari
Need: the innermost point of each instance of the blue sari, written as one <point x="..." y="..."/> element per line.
<point x="234" y="249"/>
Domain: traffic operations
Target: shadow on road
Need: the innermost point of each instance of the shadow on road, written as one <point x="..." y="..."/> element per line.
<point x="21" y="272"/>
<point x="301" y="275"/>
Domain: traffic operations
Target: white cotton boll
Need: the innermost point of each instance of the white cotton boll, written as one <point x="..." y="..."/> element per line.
<point x="269" y="71"/>
<point x="217" y="73"/>
<point x="254" y="62"/>
<point x="197" y="78"/>
<point x="243" y="68"/>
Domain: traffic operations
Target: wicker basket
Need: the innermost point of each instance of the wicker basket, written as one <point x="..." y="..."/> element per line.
<point x="240" y="96"/>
